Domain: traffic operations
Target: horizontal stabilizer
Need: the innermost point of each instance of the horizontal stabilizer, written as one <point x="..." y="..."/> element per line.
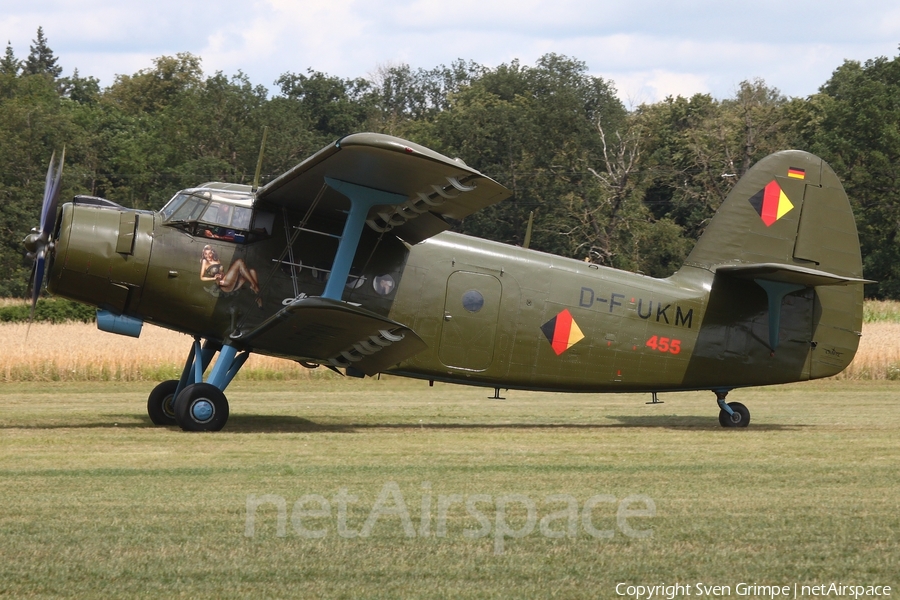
<point x="782" y="273"/>
<point x="334" y="333"/>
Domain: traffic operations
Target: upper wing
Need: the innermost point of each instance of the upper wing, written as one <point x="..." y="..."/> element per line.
<point x="436" y="186"/>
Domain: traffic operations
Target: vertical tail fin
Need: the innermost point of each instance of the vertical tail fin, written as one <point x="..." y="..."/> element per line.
<point x="790" y="208"/>
<point x="787" y="226"/>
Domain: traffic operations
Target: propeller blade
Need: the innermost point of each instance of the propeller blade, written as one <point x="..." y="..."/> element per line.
<point x="37" y="279"/>
<point x="39" y="241"/>
<point x="51" y="195"/>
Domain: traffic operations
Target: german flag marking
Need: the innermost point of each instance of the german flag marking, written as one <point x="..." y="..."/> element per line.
<point x="771" y="203"/>
<point x="562" y="332"/>
<point x="796" y="173"/>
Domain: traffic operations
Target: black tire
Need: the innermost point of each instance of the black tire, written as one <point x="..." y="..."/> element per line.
<point x="740" y="418"/>
<point x="201" y="407"/>
<point x="161" y="403"/>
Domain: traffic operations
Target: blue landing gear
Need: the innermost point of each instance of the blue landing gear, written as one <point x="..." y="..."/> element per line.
<point x="733" y="414"/>
<point x="191" y="403"/>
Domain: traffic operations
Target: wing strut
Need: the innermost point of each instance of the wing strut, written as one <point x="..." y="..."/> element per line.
<point x="776" y="291"/>
<point x="362" y="199"/>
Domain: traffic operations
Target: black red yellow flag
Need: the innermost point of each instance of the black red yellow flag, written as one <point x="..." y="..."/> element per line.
<point x="562" y="332"/>
<point x="771" y="203"/>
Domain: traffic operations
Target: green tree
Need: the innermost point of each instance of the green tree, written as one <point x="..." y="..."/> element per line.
<point x="10" y="65"/>
<point x="41" y="59"/>
<point x="169" y="127"/>
<point x="612" y="224"/>
<point x="34" y="122"/>
<point x="330" y="106"/>
<point x="403" y="97"/>
<point x="83" y="90"/>
<point x="697" y="148"/>
<point x="152" y="90"/>
<point x="534" y="130"/>
<point x="854" y="124"/>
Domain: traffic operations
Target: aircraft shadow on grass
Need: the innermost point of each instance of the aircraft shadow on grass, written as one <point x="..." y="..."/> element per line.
<point x="290" y="424"/>
<point x="275" y="424"/>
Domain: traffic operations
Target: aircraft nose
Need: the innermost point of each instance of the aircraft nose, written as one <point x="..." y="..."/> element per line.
<point x="103" y="252"/>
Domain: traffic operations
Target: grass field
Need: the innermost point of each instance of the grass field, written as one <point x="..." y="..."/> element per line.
<point x="97" y="503"/>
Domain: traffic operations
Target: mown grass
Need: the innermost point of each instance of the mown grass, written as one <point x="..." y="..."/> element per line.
<point x="97" y="503"/>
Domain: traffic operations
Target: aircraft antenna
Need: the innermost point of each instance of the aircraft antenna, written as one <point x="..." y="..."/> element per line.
<point x="262" y="149"/>
<point x="527" y="241"/>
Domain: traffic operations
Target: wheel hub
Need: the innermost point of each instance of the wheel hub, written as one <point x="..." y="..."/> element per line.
<point x="202" y="410"/>
<point x="168" y="406"/>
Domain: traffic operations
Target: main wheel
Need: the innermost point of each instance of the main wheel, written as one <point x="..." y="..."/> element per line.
<point x="161" y="403"/>
<point x="201" y="407"/>
<point x="740" y="418"/>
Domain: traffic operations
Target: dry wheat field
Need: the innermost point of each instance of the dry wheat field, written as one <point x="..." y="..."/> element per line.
<point x="80" y="352"/>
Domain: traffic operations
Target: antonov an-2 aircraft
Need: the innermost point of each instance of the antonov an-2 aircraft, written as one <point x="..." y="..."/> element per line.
<point x="344" y="261"/>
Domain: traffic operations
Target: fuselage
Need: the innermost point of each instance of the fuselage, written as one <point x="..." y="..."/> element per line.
<point x="544" y="322"/>
<point x="491" y="314"/>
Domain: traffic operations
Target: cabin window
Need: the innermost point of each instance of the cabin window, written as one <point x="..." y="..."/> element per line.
<point x="472" y="301"/>
<point x="263" y="222"/>
<point x="355" y="281"/>
<point x="383" y="284"/>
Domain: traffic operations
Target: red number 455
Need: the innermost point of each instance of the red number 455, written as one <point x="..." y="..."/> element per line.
<point x="664" y="344"/>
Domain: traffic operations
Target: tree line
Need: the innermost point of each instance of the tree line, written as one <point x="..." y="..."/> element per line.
<point x="628" y="188"/>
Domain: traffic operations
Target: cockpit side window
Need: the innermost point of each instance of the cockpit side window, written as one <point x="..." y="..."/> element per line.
<point x="218" y="213"/>
<point x="241" y="218"/>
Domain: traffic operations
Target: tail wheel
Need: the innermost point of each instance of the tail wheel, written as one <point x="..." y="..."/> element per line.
<point x="201" y="407"/>
<point x="740" y="418"/>
<point x="161" y="403"/>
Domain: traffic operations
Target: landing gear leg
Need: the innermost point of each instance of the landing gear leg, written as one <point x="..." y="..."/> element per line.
<point x="732" y="414"/>
<point x="195" y="405"/>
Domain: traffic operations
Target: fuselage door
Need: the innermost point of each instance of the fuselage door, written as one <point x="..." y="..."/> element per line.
<point x="469" y="326"/>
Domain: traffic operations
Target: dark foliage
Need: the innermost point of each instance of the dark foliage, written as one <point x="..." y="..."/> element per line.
<point x="626" y="189"/>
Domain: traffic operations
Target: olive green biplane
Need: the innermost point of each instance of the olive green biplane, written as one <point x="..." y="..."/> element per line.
<point x="345" y="261"/>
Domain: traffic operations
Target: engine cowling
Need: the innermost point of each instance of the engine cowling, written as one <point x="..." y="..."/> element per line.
<point x="101" y="254"/>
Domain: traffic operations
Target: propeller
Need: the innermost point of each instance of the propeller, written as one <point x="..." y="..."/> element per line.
<point x="38" y="242"/>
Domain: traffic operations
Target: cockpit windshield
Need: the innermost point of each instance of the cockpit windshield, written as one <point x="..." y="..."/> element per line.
<point x="211" y="214"/>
